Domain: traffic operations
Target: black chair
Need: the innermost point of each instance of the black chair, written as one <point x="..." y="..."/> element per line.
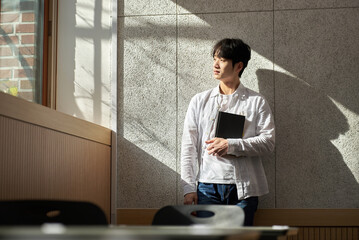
<point x="215" y="215"/>
<point x="37" y="212"/>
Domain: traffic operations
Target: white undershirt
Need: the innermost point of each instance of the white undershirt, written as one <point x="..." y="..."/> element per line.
<point x="216" y="169"/>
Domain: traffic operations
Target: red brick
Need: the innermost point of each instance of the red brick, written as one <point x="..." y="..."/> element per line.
<point x="9" y="8"/>
<point x="7" y="28"/>
<point x="26" y="84"/>
<point x="9" y="62"/>
<point x="27" y="50"/>
<point x="27" y="5"/>
<point x="25" y="28"/>
<point x="22" y="73"/>
<point x="9" y="17"/>
<point x="28" y="61"/>
<point x="28" y="39"/>
<point x="12" y="39"/>
<point x="5" y="51"/>
<point x="28" y="17"/>
<point x="5" y="74"/>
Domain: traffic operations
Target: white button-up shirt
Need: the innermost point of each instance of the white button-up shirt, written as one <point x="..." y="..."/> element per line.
<point x="242" y="165"/>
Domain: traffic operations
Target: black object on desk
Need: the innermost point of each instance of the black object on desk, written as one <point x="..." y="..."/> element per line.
<point x="213" y="215"/>
<point x="37" y="212"/>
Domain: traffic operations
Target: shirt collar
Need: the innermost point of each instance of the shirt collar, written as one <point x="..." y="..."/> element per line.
<point x="240" y="91"/>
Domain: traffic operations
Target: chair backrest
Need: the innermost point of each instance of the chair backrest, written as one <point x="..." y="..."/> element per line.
<point x="37" y="212"/>
<point x="216" y="215"/>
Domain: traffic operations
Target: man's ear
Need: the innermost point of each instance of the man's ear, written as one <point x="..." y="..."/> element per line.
<point x="238" y="66"/>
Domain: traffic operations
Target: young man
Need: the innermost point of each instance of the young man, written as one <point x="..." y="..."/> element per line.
<point x="227" y="171"/>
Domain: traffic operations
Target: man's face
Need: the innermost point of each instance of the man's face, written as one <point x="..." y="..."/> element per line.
<point x="224" y="70"/>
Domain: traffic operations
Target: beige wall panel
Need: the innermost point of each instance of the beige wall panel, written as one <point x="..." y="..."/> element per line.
<point x="40" y="163"/>
<point x="304" y="61"/>
<point x="147" y="112"/>
<point x="317" y="108"/>
<point x="146" y="7"/>
<point x="219" y="6"/>
<point x="309" y="4"/>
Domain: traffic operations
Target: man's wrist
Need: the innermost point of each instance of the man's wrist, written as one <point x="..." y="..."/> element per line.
<point x="189" y="189"/>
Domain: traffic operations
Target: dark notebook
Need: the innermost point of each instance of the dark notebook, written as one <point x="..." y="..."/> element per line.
<point x="230" y="125"/>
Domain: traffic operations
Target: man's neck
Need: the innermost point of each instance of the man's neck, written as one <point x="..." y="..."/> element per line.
<point x="228" y="87"/>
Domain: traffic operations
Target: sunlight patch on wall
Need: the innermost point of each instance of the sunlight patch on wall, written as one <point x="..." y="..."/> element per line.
<point x="153" y="143"/>
<point x="347" y="143"/>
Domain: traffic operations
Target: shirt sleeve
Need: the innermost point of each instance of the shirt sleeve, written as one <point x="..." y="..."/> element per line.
<point x="189" y="151"/>
<point x="264" y="140"/>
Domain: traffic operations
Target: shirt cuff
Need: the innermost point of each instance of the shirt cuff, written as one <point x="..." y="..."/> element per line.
<point x="234" y="147"/>
<point x="189" y="188"/>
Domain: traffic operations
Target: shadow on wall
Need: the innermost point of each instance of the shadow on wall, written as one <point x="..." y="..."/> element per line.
<point x="316" y="175"/>
<point x="144" y="181"/>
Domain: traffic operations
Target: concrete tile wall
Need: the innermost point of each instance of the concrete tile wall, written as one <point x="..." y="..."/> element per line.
<point x="304" y="61"/>
<point x="147" y="111"/>
<point x="320" y="115"/>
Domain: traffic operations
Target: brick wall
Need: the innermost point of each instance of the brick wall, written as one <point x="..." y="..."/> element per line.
<point x="18" y="48"/>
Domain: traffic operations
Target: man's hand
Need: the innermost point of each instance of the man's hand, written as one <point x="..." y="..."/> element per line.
<point x="217" y="147"/>
<point x="190" y="198"/>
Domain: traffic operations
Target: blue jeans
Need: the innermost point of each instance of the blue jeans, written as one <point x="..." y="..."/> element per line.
<point x="226" y="194"/>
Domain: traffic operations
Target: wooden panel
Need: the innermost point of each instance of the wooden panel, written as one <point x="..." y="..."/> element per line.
<point x="350" y="233"/>
<point x="269" y="217"/>
<point x="40" y="163"/>
<point x="114" y="187"/>
<point x="138" y="216"/>
<point x="355" y="233"/>
<point x="23" y="110"/>
<point x="307" y="217"/>
<point x="326" y="233"/>
<point x="317" y="224"/>
<point x="313" y="229"/>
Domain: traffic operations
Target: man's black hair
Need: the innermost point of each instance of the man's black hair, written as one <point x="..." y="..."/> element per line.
<point x="233" y="49"/>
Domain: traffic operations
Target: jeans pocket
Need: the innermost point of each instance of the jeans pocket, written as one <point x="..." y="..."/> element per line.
<point x="206" y="189"/>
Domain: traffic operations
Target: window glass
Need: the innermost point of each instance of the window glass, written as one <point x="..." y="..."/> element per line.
<point x="21" y="48"/>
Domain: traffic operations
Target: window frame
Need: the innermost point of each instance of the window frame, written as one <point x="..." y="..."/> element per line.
<point x="47" y="86"/>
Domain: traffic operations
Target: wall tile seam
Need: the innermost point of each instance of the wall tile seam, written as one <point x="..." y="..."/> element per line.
<point x="146" y="15"/>
<point x="312" y="9"/>
<point x="178" y="179"/>
<point x="194" y="13"/>
<point x="229" y="12"/>
<point x="274" y="104"/>
<point x="226" y="12"/>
